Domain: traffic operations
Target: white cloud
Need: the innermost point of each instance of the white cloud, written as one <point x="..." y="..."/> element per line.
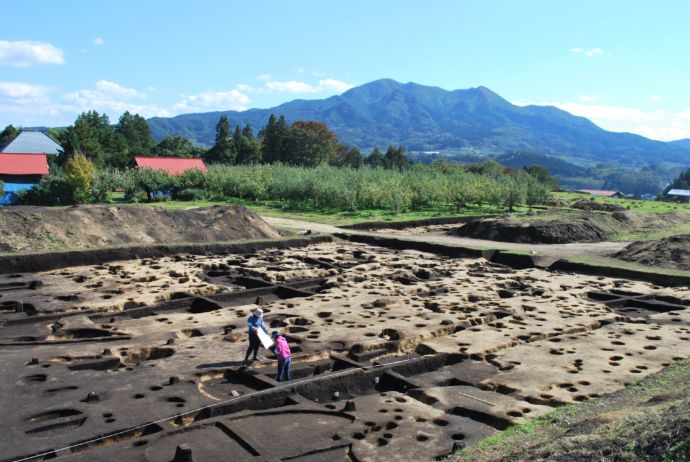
<point x="587" y="98"/>
<point x="292" y="86"/>
<point x="657" y="124"/>
<point x="113" y="99"/>
<point x="233" y="99"/>
<point x="591" y="52"/>
<point x="334" y="85"/>
<point x="300" y="70"/>
<point x="295" y="86"/>
<point x="263" y="77"/>
<point x="655" y="98"/>
<point x="98" y="41"/>
<point x="27" y="53"/>
<point x="23" y="91"/>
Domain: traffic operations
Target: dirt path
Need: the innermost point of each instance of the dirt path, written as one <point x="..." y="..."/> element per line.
<point x="555" y="250"/>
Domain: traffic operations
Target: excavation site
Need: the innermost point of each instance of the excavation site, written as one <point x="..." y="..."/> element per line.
<point x="398" y="353"/>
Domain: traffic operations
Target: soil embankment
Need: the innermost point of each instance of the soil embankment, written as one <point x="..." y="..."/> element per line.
<point x="541" y="232"/>
<point x="35" y="229"/>
<point x="671" y="252"/>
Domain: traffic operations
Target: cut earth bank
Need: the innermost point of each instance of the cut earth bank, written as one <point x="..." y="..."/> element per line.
<point x="36" y="229"/>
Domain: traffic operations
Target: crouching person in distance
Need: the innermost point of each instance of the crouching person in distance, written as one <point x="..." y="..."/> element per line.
<point x="282" y="350"/>
<point x="254" y="323"/>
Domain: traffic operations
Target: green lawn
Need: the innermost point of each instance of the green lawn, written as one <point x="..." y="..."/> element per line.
<point x="633" y="205"/>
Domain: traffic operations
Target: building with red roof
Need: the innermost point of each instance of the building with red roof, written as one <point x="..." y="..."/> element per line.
<point x="602" y="192"/>
<point x="172" y="165"/>
<point x="20" y="171"/>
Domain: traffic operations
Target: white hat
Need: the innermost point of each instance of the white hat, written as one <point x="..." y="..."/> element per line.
<point x="259" y="313"/>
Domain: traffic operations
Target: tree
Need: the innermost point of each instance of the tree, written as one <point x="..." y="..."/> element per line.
<point x="375" y="159"/>
<point x="274" y="140"/>
<point x="311" y="144"/>
<point x="93" y="136"/>
<point x="347" y="156"/>
<point x="223" y="151"/>
<point x="395" y="158"/>
<point x="136" y="133"/>
<point x="176" y="146"/>
<point x="543" y="175"/>
<point x="79" y="172"/>
<point x="7" y="135"/>
<point x="248" y="148"/>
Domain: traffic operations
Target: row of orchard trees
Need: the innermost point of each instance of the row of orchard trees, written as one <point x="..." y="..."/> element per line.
<point x="324" y="187"/>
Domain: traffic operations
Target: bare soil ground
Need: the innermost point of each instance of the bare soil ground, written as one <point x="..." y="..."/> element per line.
<point x="398" y="354"/>
<point x="540" y="232"/>
<point x="671" y="252"/>
<point x="34" y="229"/>
<point x="648" y="421"/>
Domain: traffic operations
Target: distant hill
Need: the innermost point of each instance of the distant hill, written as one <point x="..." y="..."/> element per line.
<point x="427" y="118"/>
<point x="684" y="143"/>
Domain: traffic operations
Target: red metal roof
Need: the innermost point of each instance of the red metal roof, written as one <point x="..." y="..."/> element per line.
<point x="172" y="165"/>
<point x="23" y="164"/>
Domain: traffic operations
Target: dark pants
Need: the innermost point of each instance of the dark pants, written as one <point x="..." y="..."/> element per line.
<point x="254" y="344"/>
<point x="284" y="369"/>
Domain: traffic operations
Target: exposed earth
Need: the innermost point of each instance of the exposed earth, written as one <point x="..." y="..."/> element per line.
<point x="33" y="229"/>
<point x="671" y="252"/>
<point x="539" y="232"/>
<point x="398" y="354"/>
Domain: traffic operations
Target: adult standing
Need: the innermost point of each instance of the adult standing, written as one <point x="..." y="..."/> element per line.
<point x="284" y="354"/>
<point x="254" y="323"/>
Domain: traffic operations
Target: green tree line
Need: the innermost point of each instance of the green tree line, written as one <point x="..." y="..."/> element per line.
<point x="323" y="187"/>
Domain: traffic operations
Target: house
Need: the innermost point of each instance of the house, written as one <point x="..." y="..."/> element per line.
<point x="602" y="192"/>
<point x="172" y="165"/>
<point x="32" y="142"/>
<point x="679" y="194"/>
<point x="20" y="171"/>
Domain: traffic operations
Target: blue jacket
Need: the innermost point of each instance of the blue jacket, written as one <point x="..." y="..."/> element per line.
<point x="253" y="321"/>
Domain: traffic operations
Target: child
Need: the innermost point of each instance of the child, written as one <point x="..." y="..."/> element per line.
<point x="282" y="350"/>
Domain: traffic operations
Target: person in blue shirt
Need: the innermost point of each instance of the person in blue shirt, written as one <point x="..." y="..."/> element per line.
<point x="254" y="323"/>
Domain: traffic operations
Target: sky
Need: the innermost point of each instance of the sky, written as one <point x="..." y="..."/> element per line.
<point x="623" y="64"/>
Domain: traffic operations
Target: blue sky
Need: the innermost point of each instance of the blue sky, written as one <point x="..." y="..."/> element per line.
<point x="623" y="64"/>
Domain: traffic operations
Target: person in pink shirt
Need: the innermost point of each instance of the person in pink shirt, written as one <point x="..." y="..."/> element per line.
<point x="282" y="350"/>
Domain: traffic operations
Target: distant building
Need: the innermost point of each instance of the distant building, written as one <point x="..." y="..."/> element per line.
<point x="172" y="165"/>
<point x="679" y="194"/>
<point x="20" y="171"/>
<point x="32" y="142"/>
<point x="602" y="192"/>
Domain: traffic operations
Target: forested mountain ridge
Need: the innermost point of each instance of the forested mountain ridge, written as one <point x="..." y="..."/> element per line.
<point x="424" y="118"/>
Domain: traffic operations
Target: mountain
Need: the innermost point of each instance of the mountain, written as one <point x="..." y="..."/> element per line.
<point x="428" y="118"/>
<point x="684" y="143"/>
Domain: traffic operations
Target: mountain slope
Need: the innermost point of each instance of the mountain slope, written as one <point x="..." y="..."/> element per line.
<point x="429" y="118"/>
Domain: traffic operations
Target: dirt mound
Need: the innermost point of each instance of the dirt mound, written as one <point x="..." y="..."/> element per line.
<point x="541" y="232"/>
<point x="30" y="229"/>
<point x="585" y="204"/>
<point x="670" y="252"/>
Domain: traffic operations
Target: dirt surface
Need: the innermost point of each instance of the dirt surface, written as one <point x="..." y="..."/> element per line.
<point x="539" y="232"/>
<point x="437" y="234"/>
<point x="671" y="252"/>
<point x="647" y="421"/>
<point x="585" y="204"/>
<point x="397" y="354"/>
<point x="32" y="229"/>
